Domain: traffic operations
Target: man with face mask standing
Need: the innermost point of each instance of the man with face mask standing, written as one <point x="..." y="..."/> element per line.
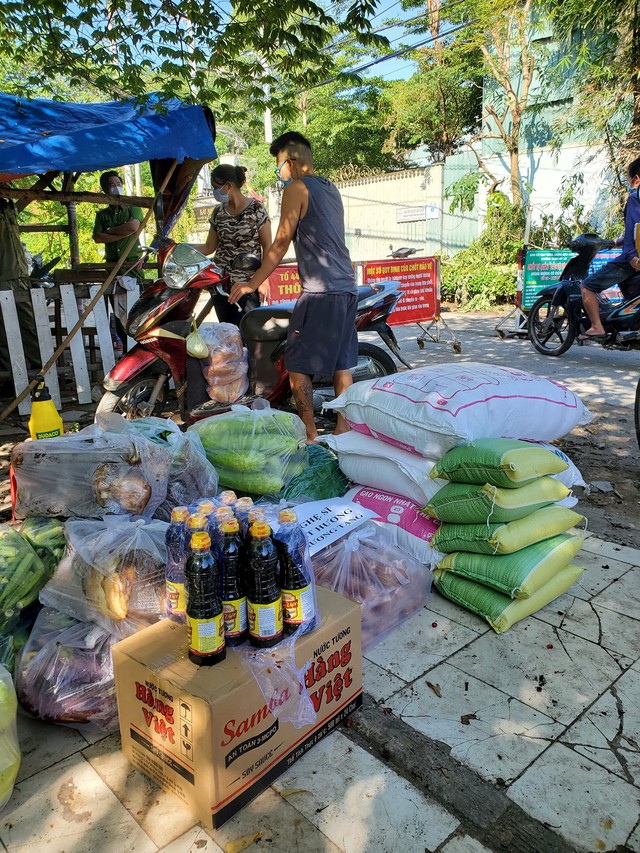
<point x="322" y="338"/>
<point x="114" y="226"/>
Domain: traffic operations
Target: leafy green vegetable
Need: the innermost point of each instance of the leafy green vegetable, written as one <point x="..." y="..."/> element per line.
<point x="322" y="480"/>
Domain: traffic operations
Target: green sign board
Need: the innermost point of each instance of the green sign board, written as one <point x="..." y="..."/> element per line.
<point x="542" y="268"/>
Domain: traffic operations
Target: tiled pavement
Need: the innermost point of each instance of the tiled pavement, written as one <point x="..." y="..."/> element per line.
<point x="549" y="713"/>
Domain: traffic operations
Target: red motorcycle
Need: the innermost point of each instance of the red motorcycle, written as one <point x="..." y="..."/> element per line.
<point x="162" y="318"/>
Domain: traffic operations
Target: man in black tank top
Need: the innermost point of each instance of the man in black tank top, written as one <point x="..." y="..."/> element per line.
<point x="322" y="338"/>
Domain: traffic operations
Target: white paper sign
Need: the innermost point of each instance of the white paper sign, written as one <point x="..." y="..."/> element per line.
<point x="324" y="522"/>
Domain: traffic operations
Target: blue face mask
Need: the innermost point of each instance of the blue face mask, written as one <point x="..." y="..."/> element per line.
<point x="223" y="198"/>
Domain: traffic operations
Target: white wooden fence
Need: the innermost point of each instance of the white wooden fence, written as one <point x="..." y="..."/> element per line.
<point x="97" y="322"/>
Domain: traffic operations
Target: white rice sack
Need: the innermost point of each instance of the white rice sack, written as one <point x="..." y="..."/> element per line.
<point x="431" y="409"/>
<point x="382" y="466"/>
<point x="407" y="527"/>
<point x="572" y="476"/>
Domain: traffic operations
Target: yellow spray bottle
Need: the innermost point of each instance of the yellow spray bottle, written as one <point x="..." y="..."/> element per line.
<point x="45" y="422"/>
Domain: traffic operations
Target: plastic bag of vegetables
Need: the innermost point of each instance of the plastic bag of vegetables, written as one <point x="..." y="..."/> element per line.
<point x="322" y="480"/>
<point x="88" y="474"/>
<point x="191" y="475"/>
<point x="9" y="747"/>
<point x="65" y="673"/>
<point x="46" y="537"/>
<point x="12" y="642"/>
<point x="254" y="450"/>
<point x="22" y="576"/>
<point x="112" y="573"/>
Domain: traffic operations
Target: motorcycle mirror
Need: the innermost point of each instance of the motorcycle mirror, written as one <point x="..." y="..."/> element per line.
<point x="246" y="261"/>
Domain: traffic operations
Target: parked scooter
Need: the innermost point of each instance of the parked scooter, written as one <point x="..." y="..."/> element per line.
<point x="558" y="316"/>
<point x="162" y="318"/>
<point x="402" y="252"/>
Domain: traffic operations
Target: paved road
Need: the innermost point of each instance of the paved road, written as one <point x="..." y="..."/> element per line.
<point x="597" y="375"/>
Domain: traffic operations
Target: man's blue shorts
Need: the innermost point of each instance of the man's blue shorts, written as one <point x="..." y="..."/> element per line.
<point x="322" y="334"/>
<point x="611" y="273"/>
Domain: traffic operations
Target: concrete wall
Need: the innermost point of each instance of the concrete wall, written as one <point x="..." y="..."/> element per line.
<point x="374" y="205"/>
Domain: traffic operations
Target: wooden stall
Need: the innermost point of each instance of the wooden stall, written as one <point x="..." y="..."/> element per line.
<point x="176" y="138"/>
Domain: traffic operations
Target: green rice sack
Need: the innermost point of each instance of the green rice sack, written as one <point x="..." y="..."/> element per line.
<point x="517" y="575"/>
<point x="507" y="537"/>
<point x="500" y="611"/>
<point x="465" y="503"/>
<point x="503" y="462"/>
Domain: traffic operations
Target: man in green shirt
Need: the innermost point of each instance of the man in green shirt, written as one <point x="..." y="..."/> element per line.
<point x="114" y="226"/>
<point x="14" y="275"/>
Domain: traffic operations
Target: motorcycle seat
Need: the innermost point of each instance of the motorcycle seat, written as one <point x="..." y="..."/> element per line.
<point x="267" y="323"/>
<point x="366" y="290"/>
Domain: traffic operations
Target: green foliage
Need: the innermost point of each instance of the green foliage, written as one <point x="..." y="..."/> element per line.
<point x="461" y="194"/>
<point x="555" y="232"/>
<point x="601" y="50"/>
<point x="195" y="50"/>
<point x="438" y="106"/>
<point x="344" y="128"/>
<point x="485" y="273"/>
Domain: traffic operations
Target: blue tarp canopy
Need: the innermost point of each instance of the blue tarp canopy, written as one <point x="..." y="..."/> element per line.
<point x="39" y="135"/>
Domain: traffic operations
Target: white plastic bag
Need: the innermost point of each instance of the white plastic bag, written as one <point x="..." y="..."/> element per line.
<point x="366" y="566"/>
<point x="112" y="574"/>
<point x="89" y="474"/>
<point x="371" y="462"/>
<point x="65" y="673"/>
<point x="431" y="409"/>
<point x="191" y="475"/>
<point x="281" y="682"/>
<point x="254" y="450"/>
<point x="9" y="747"/>
<point x="226" y="366"/>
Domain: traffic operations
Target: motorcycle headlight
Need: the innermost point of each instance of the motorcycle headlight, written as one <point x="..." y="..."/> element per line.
<point x="182" y="264"/>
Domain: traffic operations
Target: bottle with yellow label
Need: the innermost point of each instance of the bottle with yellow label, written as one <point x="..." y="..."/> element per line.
<point x="234" y="599"/>
<point x="175" y="541"/>
<point x="264" y="602"/>
<point x="45" y="422"/>
<point x="205" y="620"/>
<point x="298" y="598"/>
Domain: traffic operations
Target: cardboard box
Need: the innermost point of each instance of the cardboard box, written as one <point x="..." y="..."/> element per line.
<point x="206" y="734"/>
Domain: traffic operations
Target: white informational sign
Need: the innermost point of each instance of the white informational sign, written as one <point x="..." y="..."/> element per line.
<point x="411" y="214"/>
<point x="325" y="522"/>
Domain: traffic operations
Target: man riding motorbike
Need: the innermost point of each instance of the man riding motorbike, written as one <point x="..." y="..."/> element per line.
<point x="625" y="265"/>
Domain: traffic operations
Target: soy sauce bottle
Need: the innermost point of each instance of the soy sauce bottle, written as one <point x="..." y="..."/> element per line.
<point x="242" y="508"/>
<point x="234" y="599"/>
<point x="228" y="498"/>
<point x="175" y="541"/>
<point x="298" y="599"/>
<point x="205" y="621"/>
<point x="223" y="513"/>
<point x="264" y="603"/>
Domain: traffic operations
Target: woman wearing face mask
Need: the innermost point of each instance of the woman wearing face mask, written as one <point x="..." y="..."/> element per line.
<point x="238" y="224"/>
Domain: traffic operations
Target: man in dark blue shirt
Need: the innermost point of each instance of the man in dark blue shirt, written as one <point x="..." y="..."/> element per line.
<point x="625" y="265"/>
